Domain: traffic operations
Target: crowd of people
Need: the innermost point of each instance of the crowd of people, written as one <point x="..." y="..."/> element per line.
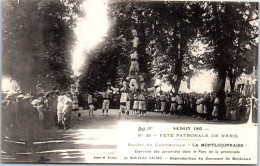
<point x="54" y="109"/>
<point x="205" y="106"/>
<point x="25" y="113"/>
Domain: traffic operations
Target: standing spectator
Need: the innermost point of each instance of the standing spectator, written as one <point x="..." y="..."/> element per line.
<point x="11" y="111"/>
<point x="255" y="110"/>
<point x="180" y="104"/>
<point x="81" y="104"/>
<point x="216" y="108"/>
<point x="40" y="108"/>
<point x="248" y="108"/>
<point x="199" y="107"/>
<point x="150" y="103"/>
<point x="136" y="104"/>
<point x="128" y="103"/>
<point x="75" y="102"/>
<point x="142" y="104"/>
<point x="19" y="109"/>
<point x="167" y="104"/>
<point x="193" y="105"/>
<point x="206" y="103"/>
<point x="30" y="117"/>
<point x="60" y="105"/>
<point x="54" y="103"/>
<point x="211" y="105"/>
<point x="97" y="101"/>
<point x="48" y="111"/>
<point x="157" y="103"/>
<point x="228" y="106"/>
<point x="4" y="115"/>
<point x="242" y="109"/>
<point x="66" y="113"/>
<point x="173" y="108"/>
<point x="90" y="104"/>
<point x="162" y="100"/>
<point x="186" y="105"/>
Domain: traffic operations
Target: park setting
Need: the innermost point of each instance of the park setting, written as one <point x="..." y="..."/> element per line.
<point x="72" y="70"/>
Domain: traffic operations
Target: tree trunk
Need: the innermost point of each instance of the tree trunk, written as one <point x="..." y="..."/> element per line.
<point x="221" y="80"/>
<point x="232" y="81"/>
<point x="176" y="86"/>
<point x="179" y="63"/>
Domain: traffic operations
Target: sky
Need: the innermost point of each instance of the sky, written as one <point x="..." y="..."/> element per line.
<point x="9" y="85"/>
<point x="90" y="31"/>
<point x="200" y="83"/>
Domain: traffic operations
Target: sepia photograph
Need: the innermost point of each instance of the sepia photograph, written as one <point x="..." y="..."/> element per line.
<point x="129" y="82"/>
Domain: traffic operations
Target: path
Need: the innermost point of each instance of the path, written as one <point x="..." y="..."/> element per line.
<point x="92" y="135"/>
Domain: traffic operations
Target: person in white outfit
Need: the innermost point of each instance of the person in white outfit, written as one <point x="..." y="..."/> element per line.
<point x="66" y="113"/>
<point x="60" y="106"/>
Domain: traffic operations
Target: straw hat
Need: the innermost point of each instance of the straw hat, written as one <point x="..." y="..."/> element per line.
<point x="20" y="96"/>
<point x="27" y="97"/>
<point x="36" y="101"/>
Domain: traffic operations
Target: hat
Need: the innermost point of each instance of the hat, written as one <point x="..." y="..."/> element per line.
<point x="67" y="101"/>
<point x="8" y="97"/>
<point x="40" y="98"/>
<point x="20" y="96"/>
<point x="36" y="101"/>
<point x="48" y="92"/>
<point x="61" y="98"/>
<point x="27" y="97"/>
<point x="4" y="102"/>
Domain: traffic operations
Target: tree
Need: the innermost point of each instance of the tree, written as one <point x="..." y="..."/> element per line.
<point x="22" y="43"/>
<point x="173" y="28"/>
<point x="37" y="38"/>
<point x="110" y="60"/>
<point x="231" y="31"/>
<point x="58" y="39"/>
<point x="246" y="31"/>
<point x="165" y="31"/>
<point x="101" y="67"/>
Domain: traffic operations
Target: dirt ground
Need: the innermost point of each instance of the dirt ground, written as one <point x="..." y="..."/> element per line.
<point x="94" y="134"/>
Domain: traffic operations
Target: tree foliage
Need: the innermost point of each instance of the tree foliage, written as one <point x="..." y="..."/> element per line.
<point x="232" y="29"/>
<point x="174" y="26"/>
<point x="37" y="38"/>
